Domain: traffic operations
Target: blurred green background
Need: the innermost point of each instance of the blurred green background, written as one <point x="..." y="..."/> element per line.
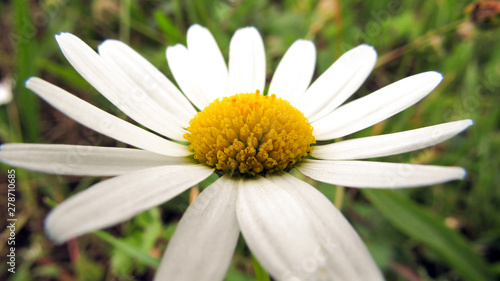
<point x="444" y="232"/>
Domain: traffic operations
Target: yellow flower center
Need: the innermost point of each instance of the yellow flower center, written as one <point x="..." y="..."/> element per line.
<point x="250" y="134"/>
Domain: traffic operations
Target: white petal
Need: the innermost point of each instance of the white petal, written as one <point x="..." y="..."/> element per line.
<point x="276" y="228"/>
<point x="103" y="122"/>
<point x="378" y="174"/>
<point x="338" y="82"/>
<point x="247" y="61"/>
<point x="294" y="72"/>
<point x="6" y="90"/>
<point x="182" y="69"/>
<point x="376" y="107"/>
<point x="117" y="87"/>
<point x="208" y="63"/>
<point x="118" y="199"/>
<point x="82" y="160"/>
<point x="204" y="241"/>
<point x="346" y="256"/>
<point x="150" y="79"/>
<point x="390" y="144"/>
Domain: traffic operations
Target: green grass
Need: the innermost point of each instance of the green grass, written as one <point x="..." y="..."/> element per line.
<point x="444" y="232"/>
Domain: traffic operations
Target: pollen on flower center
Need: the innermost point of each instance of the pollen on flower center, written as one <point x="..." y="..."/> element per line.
<point x="249" y="134"/>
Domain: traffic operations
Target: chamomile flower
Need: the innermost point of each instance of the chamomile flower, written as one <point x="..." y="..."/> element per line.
<point x="221" y="121"/>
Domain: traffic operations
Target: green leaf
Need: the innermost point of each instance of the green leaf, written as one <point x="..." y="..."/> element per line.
<point x="168" y="28"/>
<point x="169" y="230"/>
<point x="88" y="270"/>
<point x="63" y="72"/>
<point x="234" y="274"/>
<point x="428" y="229"/>
<point x="23" y="41"/>
<point x="130" y="250"/>
<point x="260" y="273"/>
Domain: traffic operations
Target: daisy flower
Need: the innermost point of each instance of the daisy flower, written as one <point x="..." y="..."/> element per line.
<point x="220" y="121"/>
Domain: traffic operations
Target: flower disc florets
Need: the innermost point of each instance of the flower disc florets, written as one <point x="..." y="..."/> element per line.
<point x="250" y="134"/>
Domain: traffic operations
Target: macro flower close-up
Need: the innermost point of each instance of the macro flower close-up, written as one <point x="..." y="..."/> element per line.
<point x="258" y="140"/>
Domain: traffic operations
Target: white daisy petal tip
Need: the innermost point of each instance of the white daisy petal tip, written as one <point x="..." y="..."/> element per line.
<point x="63" y="33"/>
<point x="304" y="41"/>
<point x="50" y="229"/>
<point x="364" y="50"/>
<point x="247" y="31"/>
<point x="197" y="32"/>
<point x="367" y="46"/>
<point x="63" y="36"/>
<point x="464" y="124"/>
<point x="426" y="80"/>
<point x="174" y="47"/>
<point x="461" y="173"/>
<point x="369" y="49"/>
<point x="432" y="76"/>
<point x="53" y="230"/>
<point x="307" y="44"/>
<point x="107" y="44"/>
<point x="171" y="51"/>
<point x="370" y="53"/>
<point x="28" y="81"/>
<point x="454" y="173"/>
<point x="196" y="27"/>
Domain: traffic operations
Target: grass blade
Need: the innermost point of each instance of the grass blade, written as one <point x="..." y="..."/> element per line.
<point x="428" y="229"/>
<point x="136" y="253"/>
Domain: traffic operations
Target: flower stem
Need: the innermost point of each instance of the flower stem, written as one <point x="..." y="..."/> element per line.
<point x="193" y="193"/>
<point x="125" y="21"/>
<point x="260" y="273"/>
<point x="339" y="195"/>
<point x="418" y="42"/>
